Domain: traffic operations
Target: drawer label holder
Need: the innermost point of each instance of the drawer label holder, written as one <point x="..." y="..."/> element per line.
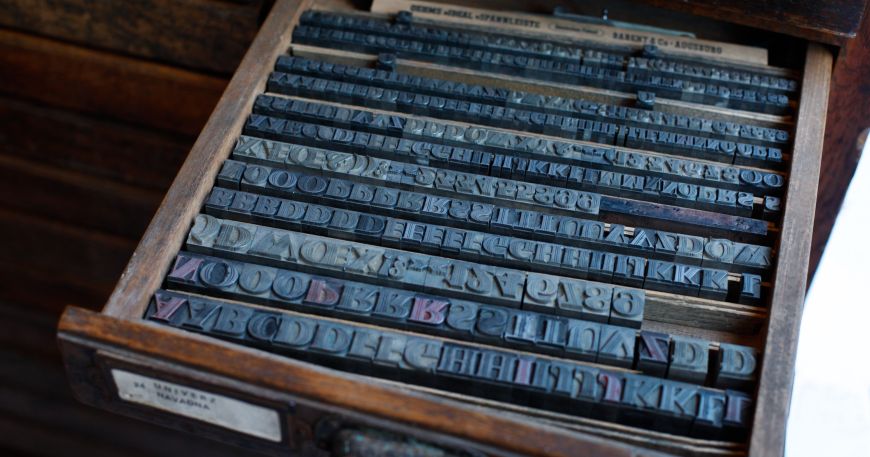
<point x="215" y="409"/>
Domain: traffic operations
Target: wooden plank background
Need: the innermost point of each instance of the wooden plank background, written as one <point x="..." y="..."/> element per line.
<point x="99" y="103"/>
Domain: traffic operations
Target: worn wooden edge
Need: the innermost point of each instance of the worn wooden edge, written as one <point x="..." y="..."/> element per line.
<point x="97" y="256"/>
<point x="702" y="313"/>
<point x="777" y="368"/>
<point x="647" y="439"/>
<point x="165" y="234"/>
<point x="78" y="326"/>
<point x="99" y="83"/>
<point x="75" y="197"/>
<point x="797" y="28"/>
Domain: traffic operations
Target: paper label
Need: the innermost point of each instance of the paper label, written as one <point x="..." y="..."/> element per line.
<point x="198" y="404"/>
<point x="491" y="20"/>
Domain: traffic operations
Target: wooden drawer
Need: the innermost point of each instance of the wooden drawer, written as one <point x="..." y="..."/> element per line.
<point x="295" y="407"/>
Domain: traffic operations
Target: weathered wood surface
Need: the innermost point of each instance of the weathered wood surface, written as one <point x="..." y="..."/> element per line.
<point x="777" y="375"/>
<point x="201" y="34"/>
<point x="829" y="22"/>
<point x="76" y="198"/>
<point x="97" y="147"/>
<point x="99" y="105"/>
<point x="94" y="130"/>
<point x="62" y="254"/>
<point x="39" y="416"/>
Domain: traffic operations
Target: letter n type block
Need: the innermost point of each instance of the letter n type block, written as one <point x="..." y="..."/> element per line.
<point x="523" y="328"/>
<point x="653" y="351"/>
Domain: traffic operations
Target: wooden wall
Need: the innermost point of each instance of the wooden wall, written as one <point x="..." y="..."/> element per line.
<point x="100" y="100"/>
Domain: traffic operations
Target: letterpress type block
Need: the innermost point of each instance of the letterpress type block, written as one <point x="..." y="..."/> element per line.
<point x="653" y="353"/>
<point x="736" y="367"/>
<point x="689" y="359"/>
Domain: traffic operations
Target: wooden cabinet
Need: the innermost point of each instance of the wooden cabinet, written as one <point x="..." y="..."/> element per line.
<point x="290" y="407"/>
